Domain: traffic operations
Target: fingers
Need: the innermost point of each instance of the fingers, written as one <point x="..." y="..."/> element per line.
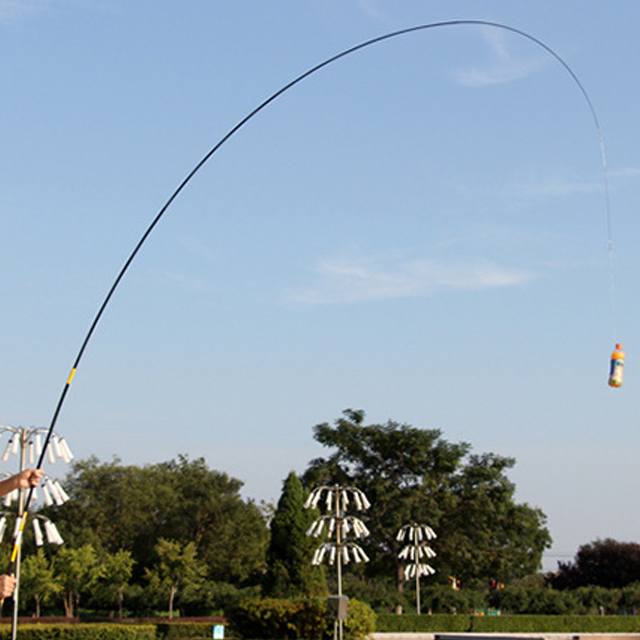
<point x="7" y="586"/>
<point x="29" y="478"/>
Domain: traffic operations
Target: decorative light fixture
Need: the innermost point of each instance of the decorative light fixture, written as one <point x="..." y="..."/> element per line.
<point x="417" y="550"/>
<point x="338" y="527"/>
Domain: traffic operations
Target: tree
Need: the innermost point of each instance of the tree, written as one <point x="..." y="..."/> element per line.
<point x="37" y="580"/>
<point x="605" y="563"/>
<point x="117" y="570"/>
<point x="78" y="570"/>
<point x="414" y="475"/>
<point x="289" y="570"/>
<point x="178" y="567"/>
<point x="128" y="508"/>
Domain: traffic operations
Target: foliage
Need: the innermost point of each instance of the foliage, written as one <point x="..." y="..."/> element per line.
<point x="605" y="563"/>
<point x="414" y="623"/>
<point x="361" y="620"/>
<point x="128" y="508"/>
<point x="78" y="570"/>
<point x="289" y="570"/>
<point x="507" y="624"/>
<point x="414" y="475"/>
<point x="82" y="632"/>
<point x="279" y="619"/>
<point x="38" y="581"/>
<point x="177" y="568"/>
<point x="555" y="624"/>
<point x="380" y="594"/>
<point x="117" y="570"/>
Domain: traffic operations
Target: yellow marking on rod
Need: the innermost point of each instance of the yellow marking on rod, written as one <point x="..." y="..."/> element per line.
<point x="16" y="546"/>
<point x="73" y="373"/>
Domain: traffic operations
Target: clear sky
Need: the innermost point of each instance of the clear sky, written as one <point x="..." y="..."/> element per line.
<point x="418" y="230"/>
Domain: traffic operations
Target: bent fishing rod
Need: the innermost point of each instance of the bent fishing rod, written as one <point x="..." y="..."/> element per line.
<point x="232" y="132"/>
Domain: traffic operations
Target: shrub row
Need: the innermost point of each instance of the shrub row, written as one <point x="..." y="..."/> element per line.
<point x="90" y="631"/>
<point x="518" y="623"/>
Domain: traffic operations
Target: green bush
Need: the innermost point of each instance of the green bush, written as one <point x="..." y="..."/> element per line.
<point x="361" y="620"/>
<point x="65" y="631"/>
<point x="280" y="619"/>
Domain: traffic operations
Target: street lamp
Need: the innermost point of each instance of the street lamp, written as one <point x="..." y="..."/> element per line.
<point x="417" y="549"/>
<point x="338" y="527"/>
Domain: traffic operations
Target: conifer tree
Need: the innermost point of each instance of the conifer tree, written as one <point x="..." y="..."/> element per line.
<point x="289" y="570"/>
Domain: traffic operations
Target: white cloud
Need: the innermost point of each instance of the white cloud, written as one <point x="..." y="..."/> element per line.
<point x="349" y="281"/>
<point x="505" y="68"/>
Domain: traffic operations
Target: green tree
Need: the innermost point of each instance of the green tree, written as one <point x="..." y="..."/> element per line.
<point x="289" y="571"/>
<point x="414" y="475"/>
<point x="485" y="535"/>
<point x="78" y="571"/>
<point x="605" y="563"/>
<point x="129" y="508"/>
<point x="117" y="570"/>
<point x="178" y="567"/>
<point x="38" y="580"/>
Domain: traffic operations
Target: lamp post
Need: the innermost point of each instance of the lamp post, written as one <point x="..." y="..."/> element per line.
<point x="26" y="443"/>
<point x="417" y="549"/>
<point x="338" y="527"/>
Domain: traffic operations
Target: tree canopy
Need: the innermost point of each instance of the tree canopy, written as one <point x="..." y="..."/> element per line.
<point x="604" y="563"/>
<point x="128" y="508"/>
<point x="414" y="475"/>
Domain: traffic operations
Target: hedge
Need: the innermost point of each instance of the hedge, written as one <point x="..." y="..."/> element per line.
<point x="559" y="624"/>
<point x="517" y="623"/>
<point x="411" y="622"/>
<point x="90" y="631"/>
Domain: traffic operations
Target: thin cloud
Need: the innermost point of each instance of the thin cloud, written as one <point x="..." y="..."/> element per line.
<point x="13" y="9"/>
<point x="341" y="281"/>
<point x="505" y="67"/>
<point x="563" y="185"/>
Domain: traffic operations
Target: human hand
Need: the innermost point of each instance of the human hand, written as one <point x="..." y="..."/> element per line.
<point x="7" y="585"/>
<point x="28" y="478"/>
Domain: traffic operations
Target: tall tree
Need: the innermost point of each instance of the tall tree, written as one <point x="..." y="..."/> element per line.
<point x="414" y="475"/>
<point x="289" y="570"/>
<point x="178" y="567"/>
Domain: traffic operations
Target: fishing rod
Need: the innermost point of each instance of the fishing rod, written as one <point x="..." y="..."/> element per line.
<point x="274" y="96"/>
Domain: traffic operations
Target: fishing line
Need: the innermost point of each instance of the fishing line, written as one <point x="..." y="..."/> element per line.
<point x="238" y="126"/>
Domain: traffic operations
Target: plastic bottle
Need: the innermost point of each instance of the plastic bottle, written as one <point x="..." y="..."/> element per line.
<point x="617" y="367"/>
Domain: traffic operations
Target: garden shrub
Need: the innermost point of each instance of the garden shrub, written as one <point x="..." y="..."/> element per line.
<point x="280" y="619"/>
<point x="65" y="631"/>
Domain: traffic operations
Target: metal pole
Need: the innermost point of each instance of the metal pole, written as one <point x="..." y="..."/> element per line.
<point x="22" y="434"/>
<point x="418" y="591"/>
<point x="339" y="552"/>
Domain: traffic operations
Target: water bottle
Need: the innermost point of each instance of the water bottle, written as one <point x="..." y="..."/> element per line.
<point x="617" y="367"/>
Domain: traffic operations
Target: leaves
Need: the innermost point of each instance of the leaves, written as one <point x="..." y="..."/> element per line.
<point x="414" y="475"/>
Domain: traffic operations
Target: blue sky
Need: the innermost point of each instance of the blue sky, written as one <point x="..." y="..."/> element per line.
<point x="418" y="230"/>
